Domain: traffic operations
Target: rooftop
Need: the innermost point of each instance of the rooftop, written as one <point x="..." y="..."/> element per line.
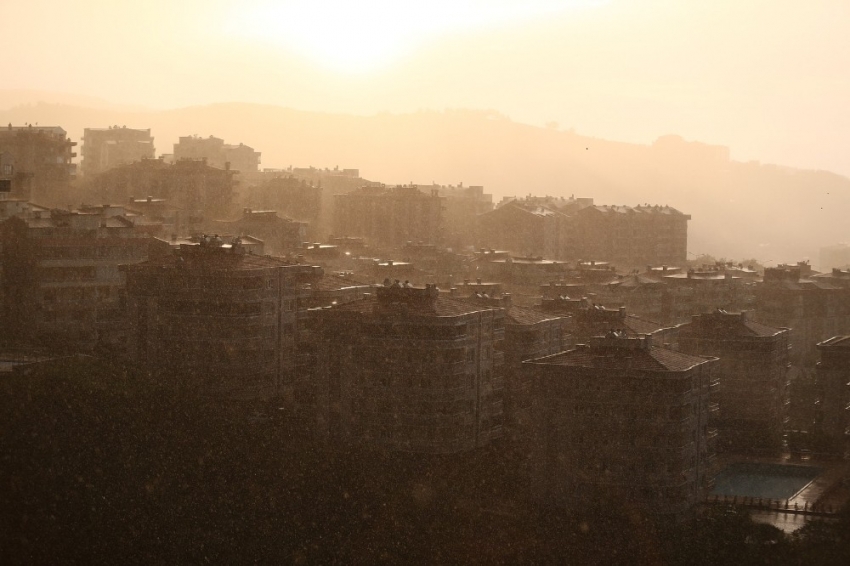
<point x="616" y="351"/>
<point x="413" y="301"/>
<point x="738" y="325"/>
<point x="213" y="254"/>
<point x="839" y="342"/>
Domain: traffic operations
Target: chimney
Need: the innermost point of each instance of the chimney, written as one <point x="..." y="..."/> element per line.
<point x="506" y="300"/>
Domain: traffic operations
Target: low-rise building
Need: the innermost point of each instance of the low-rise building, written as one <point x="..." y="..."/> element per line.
<point x="621" y="421"/>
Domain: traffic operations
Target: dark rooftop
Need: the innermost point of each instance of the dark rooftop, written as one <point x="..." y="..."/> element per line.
<point x="618" y="352"/>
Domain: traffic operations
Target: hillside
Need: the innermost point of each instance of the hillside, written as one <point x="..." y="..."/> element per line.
<point x="739" y="210"/>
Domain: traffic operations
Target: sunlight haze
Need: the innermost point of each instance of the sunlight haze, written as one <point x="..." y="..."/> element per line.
<point x="766" y="78"/>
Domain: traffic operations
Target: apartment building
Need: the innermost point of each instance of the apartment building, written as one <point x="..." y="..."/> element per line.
<point x="833" y="373"/>
<point x="220" y="320"/>
<point x="622" y="422"/>
<point x="35" y="163"/>
<point x="753" y="374"/>
<point x="105" y="148"/>
<point x="62" y="285"/>
<point x="389" y="216"/>
<point x="410" y="370"/>
<point x="240" y="158"/>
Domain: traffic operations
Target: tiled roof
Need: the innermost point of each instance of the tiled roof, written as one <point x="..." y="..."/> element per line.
<point x="642" y="325"/>
<point x="842" y="342"/>
<point x="633" y="281"/>
<point x="527" y="316"/>
<point x="730" y="325"/>
<point x="335" y="283"/>
<point x="759" y="329"/>
<point x="441" y="306"/>
<point x="217" y="260"/>
<point x="624" y="359"/>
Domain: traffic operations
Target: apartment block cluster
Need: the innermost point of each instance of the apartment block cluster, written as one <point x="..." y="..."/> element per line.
<point x="422" y="318"/>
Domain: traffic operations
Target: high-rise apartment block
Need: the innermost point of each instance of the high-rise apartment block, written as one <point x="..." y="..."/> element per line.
<point x="105" y="148"/>
<point x="241" y="158"/>
<point x="390" y="216"/>
<point x="833" y="372"/>
<point x="408" y="369"/>
<point x="622" y="421"/>
<point x="61" y="281"/>
<point x="753" y="376"/>
<point x="219" y="319"/>
<point x="35" y="163"/>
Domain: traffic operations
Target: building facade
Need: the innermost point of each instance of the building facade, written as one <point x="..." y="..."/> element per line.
<point x="240" y="158"/>
<point x="529" y="334"/>
<point x="35" y="163"/>
<point x="389" y="216"/>
<point x="524" y="228"/>
<point x="622" y="422"/>
<point x="833" y="372"/>
<point x="753" y="375"/>
<point x="62" y="285"/>
<point x="105" y="148"/>
<point x="815" y="309"/>
<point x="410" y="370"/>
<point x="632" y="236"/>
<point x="289" y="196"/>
<point x="192" y="187"/>
<point x="220" y="320"/>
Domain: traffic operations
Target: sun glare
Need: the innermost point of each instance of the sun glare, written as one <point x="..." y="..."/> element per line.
<point x="356" y="36"/>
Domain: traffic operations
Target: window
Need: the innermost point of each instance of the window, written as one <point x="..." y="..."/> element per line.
<point x="7" y="169"/>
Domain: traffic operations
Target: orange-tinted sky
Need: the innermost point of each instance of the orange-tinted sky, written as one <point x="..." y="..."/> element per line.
<point x="769" y="78"/>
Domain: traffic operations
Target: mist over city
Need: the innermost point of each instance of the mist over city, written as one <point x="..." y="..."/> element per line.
<point x="459" y="282"/>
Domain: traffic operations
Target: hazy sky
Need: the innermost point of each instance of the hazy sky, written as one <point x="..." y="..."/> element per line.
<point x="769" y="78"/>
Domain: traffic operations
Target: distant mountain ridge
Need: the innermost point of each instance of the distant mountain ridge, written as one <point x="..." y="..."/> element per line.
<point x="739" y="210"/>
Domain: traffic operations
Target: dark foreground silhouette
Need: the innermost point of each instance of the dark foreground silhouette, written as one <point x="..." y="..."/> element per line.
<point x="100" y="465"/>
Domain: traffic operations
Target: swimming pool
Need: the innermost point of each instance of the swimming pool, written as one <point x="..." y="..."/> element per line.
<point x="767" y="481"/>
